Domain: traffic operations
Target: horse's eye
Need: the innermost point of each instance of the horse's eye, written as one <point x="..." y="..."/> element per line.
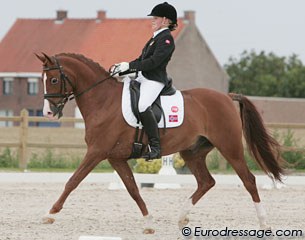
<point x="54" y="81"/>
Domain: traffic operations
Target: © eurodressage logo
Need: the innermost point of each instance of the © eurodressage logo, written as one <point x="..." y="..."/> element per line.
<point x="241" y="234"/>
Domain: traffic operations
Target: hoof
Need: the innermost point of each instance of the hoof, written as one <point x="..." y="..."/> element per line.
<point x="149" y="231"/>
<point x="183" y="222"/>
<point x="48" y="220"/>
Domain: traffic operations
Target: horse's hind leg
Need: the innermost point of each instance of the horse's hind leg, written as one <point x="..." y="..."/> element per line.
<point x="197" y="164"/>
<point x="124" y="171"/>
<point x="235" y="156"/>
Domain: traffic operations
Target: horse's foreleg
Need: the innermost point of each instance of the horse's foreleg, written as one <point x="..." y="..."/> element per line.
<point x="89" y="162"/>
<point x="197" y="165"/>
<point x="124" y="171"/>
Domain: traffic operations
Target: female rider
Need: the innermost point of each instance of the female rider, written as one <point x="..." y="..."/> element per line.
<point x="150" y="67"/>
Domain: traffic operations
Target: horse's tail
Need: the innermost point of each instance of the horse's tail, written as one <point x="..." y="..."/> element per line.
<point x="262" y="146"/>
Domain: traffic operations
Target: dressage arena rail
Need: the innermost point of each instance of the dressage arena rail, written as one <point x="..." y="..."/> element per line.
<point x="22" y="142"/>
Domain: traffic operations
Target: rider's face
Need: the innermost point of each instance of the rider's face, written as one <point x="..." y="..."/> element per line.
<point x="158" y="23"/>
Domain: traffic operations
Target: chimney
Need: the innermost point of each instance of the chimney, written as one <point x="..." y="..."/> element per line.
<point x="189" y="16"/>
<point x="61" y="15"/>
<point x="101" y="15"/>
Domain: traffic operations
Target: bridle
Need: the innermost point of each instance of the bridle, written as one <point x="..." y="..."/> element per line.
<point x="65" y="97"/>
<point x="64" y="94"/>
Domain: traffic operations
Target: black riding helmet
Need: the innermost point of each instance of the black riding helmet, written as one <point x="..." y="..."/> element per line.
<point x="165" y="10"/>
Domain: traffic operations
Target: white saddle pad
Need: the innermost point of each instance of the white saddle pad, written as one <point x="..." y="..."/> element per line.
<point x="173" y="107"/>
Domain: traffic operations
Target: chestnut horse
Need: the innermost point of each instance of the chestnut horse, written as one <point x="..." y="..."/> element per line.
<point x="211" y="121"/>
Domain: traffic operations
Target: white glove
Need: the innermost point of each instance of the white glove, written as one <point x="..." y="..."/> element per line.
<point x="119" y="67"/>
<point x="122" y="67"/>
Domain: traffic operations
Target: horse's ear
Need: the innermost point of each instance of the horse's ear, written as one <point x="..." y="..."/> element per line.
<point x="44" y="58"/>
<point x="47" y="58"/>
<point x="41" y="58"/>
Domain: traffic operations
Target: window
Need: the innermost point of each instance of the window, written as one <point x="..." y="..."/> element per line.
<point x="6" y="113"/>
<point x="8" y="86"/>
<point x="32" y="86"/>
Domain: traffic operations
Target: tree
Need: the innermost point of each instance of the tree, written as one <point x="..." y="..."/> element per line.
<point x="266" y="75"/>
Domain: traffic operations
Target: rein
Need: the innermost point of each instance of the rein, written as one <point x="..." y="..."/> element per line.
<point x="68" y="96"/>
<point x="97" y="83"/>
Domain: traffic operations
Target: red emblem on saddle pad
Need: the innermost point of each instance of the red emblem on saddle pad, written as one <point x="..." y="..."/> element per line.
<point x="174" y="109"/>
<point x="167" y="41"/>
<point x="173" y="118"/>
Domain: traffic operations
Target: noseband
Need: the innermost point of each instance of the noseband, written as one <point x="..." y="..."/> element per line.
<point x="66" y="96"/>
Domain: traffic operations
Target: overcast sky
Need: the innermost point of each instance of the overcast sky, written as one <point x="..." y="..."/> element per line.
<point x="229" y="26"/>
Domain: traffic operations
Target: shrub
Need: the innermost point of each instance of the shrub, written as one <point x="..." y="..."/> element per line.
<point x="143" y="166"/>
<point x="8" y="159"/>
<point x="295" y="159"/>
<point x="180" y="165"/>
<point x="178" y="161"/>
<point x="47" y="160"/>
<point x="51" y="160"/>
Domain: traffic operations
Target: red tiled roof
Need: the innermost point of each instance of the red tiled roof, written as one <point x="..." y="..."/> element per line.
<point x="106" y="42"/>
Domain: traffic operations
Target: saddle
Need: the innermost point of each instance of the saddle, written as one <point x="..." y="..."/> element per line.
<point x="157" y="109"/>
<point x="171" y="112"/>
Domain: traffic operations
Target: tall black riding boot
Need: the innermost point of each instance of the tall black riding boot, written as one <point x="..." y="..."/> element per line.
<point x="151" y="129"/>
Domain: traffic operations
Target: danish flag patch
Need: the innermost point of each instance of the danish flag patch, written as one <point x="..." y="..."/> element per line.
<point x="173" y="118"/>
<point x="167" y="41"/>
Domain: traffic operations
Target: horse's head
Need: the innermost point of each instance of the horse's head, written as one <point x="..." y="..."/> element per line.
<point x="57" y="86"/>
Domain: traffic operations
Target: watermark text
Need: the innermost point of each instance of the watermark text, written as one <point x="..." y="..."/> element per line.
<point x="252" y="233"/>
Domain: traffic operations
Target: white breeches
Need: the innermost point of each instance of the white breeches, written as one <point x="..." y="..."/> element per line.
<point x="149" y="91"/>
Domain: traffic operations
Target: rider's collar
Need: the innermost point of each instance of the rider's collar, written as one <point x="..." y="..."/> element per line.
<point x="158" y="31"/>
